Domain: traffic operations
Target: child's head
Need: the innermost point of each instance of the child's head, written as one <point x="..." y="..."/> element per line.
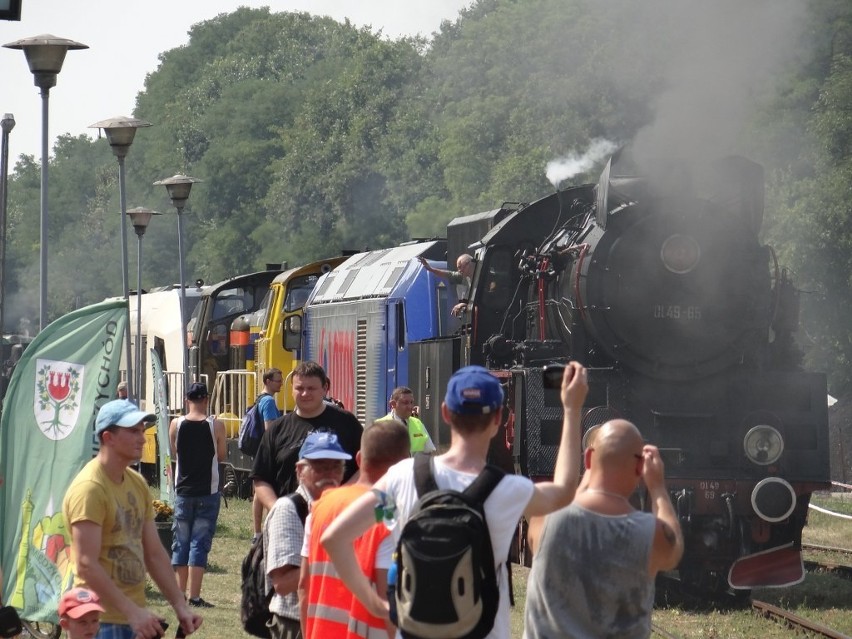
<point x="80" y="613"/>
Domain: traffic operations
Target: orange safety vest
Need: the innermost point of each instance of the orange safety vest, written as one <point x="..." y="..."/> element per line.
<point x="332" y="610"/>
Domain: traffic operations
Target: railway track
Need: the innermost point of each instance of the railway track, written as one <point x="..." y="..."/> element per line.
<point x="794" y="622"/>
<point x="658" y="631"/>
<point x="801" y="626"/>
<point x="791" y="621"/>
<point x="842" y="551"/>
<point x="843" y="571"/>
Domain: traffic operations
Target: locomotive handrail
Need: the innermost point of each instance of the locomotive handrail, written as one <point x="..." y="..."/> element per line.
<point x="584" y="248"/>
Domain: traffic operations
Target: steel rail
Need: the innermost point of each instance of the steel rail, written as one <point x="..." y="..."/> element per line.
<point x="838" y="570"/>
<point x="665" y="634"/>
<point x="793" y="621"/>
<point x="844" y="551"/>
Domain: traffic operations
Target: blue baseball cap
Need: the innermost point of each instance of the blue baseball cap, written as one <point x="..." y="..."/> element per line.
<point x="473" y="391"/>
<point x="322" y="445"/>
<point x="121" y="412"/>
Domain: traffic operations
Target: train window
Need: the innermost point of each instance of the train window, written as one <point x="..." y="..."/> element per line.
<point x="266" y="305"/>
<point x="192" y="325"/>
<point x="299" y="291"/>
<point x="232" y="301"/>
<point x="400" y="326"/>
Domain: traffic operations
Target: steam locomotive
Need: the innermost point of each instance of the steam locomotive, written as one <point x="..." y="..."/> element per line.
<point x="655" y="279"/>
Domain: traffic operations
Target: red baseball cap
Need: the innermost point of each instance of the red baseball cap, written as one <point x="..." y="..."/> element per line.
<point x="77" y="602"/>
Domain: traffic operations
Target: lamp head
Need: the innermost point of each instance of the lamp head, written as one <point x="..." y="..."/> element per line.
<point x="178" y="187"/>
<point x="140" y="217"/>
<point x="45" y="54"/>
<point x="120" y="132"/>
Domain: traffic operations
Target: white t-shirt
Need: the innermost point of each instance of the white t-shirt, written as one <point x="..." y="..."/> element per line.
<point x="503" y="510"/>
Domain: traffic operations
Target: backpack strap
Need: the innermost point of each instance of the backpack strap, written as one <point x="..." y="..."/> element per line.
<point x="257" y="401"/>
<point x="479" y="490"/>
<point x="301" y="506"/>
<point x="424" y="478"/>
<point x="485" y="482"/>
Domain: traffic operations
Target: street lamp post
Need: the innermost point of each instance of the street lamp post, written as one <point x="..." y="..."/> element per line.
<point x="45" y="55"/>
<point x="120" y="132"/>
<point x="6" y="124"/>
<point x="140" y="218"/>
<point x="178" y="187"/>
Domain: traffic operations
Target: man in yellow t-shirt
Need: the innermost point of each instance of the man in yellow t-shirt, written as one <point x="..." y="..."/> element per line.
<point x="402" y="409"/>
<point x="113" y="537"/>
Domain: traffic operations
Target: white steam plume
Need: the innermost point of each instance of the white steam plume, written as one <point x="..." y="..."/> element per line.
<point x="573" y="164"/>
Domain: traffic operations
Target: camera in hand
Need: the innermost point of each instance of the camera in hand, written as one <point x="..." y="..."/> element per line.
<point x="551" y="376"/>
<point x="10" y="622"/>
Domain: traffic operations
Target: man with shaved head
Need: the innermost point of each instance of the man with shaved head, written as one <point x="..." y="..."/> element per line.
<point x="596" y="560"/>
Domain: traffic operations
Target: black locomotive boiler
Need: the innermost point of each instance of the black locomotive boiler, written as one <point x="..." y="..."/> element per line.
<point x="655" y="279"/>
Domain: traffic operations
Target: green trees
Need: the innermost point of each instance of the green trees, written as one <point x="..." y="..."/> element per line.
<point x="312" y="136"/>
<point x="803" y="137"/>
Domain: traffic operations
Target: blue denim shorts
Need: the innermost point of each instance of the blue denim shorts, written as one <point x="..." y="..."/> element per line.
<point x="115" y="631"/>
<point x="193" y="529"/>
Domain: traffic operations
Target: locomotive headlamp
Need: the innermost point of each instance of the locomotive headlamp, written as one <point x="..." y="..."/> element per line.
<point x="680" y="253"/>
<point x="763" y="445"/>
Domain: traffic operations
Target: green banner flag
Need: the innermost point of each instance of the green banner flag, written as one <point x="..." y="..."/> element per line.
<point x="161" y="410"/>
<point x="47" y="434"/>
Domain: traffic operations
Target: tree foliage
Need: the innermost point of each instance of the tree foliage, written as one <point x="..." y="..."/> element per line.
<point x="312" y="136"/>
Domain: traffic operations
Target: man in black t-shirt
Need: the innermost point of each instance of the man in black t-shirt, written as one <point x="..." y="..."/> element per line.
<point x="274" y="470"/>
<point x="197" y="444"/>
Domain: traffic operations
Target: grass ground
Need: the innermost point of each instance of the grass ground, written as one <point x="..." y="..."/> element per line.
<point x="822" y="598"/>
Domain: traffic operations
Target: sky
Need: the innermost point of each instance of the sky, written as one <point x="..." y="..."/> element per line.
<point x="102" y="81"/>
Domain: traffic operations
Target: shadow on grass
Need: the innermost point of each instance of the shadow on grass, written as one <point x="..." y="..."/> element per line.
<point x="819" y="591"/>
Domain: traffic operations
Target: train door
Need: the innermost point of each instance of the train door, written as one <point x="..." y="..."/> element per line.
<point x="396" y="371"/>
<point x="286" y="346"/>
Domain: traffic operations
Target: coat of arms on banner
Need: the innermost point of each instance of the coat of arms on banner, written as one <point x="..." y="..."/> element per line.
<point x="56" y="401"/>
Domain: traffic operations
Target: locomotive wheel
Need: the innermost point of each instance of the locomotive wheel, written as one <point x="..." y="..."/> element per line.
<point x="41" y="629"/>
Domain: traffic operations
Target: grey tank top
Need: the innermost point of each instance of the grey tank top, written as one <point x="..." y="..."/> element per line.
<point x="589" y="578"/>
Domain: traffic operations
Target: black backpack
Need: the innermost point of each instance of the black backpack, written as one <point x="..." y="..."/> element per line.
<point x="446" y="585"/>
<point x="254" y="605"/>
<point x="251" y="429"/>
